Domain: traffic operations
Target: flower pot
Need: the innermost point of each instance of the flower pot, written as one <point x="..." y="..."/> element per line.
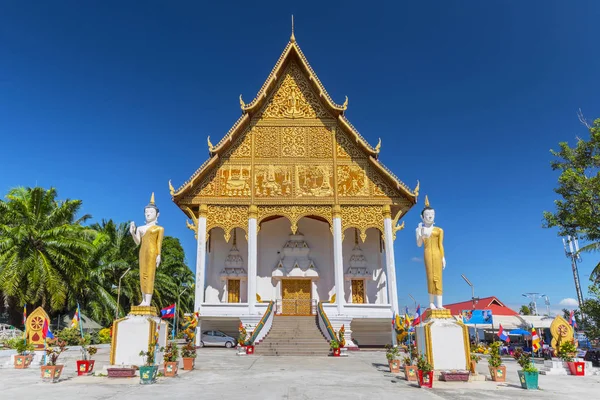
<point x="22" y="362"/>
<point x="529" y="380"/>
<point x="577" y="368"/>
<point x="148" y="374"/>
<point x="250" y="349"/>
<point x="51" y="372"/>
<point x="171" y="368"/>
<point x="410" y="372"/>
<point x="336" y="352"/>
<point x="473" y="367"/>
<point x="85" y="367"/>
<point x="425" y="379"/>
<point x="188" y="363"/>
<point x="394" y="366"/>
<point x="498" y="374"/>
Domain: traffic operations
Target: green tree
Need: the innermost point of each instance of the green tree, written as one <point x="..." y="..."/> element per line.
<point x="591" y="309"/>
<point x="578" y="211"/>
<point x="524" y="310"/>
<point x="43" y="248"/>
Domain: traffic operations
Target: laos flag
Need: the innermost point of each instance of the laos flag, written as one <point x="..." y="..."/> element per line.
<point x="168" y="312"/>
<point x="502" y="335"/>
<point x="573" y="322"/>
<point x="417" y="318"/>
<point x="46" y="332"/>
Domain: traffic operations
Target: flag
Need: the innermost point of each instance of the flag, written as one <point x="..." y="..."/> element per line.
<point x="417" y="318"/>
<point x="573" y="322"/>
<point x="46" y="332"/>
<point x="75" y="320"/>
<point x="406" y="318"/>
<point x="535" y="340"/>
<point x="502" y="335"/>
<point x="24" y="314"/>
<point x="168" y="312"/>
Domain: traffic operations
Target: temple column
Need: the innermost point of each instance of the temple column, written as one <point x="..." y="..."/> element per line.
<point x="338" y="262"/>
<point x="252" y="258"/>
<point x="389" y="258"/>
<point x="200" y="265"/>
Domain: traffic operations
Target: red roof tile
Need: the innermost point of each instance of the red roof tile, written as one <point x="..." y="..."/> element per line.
<point x="486" y="303"/>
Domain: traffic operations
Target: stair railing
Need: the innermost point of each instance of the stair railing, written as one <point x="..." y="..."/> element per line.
<point x="264" y="326"/>
<point x="324" y="323"/>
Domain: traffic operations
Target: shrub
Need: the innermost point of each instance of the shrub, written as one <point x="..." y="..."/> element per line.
<point x="105" y="335"/>
<point x="495" y="360"/>
<point x="54" y="349"/>
<point x="171" y="352"/>
<point x="567" y="350"/>
<point x="423" y="364"/>
<point x="392" y="353"/>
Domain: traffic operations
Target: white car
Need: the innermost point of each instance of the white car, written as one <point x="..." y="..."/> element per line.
<point x="216" y="338"/>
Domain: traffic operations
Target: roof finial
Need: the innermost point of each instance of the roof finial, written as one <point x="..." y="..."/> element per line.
<point x="292" y="38"/>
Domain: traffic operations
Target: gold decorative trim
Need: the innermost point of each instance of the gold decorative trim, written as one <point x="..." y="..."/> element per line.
<point x="294" y="213"/>
<point x="438" y="314"/>
<point x="337" y="211"/>
<point x="467" y="344"/>
<point x="151" y="330"/>
<point x="428" y="345"/>
<point x="227" y="218"/>
<point x="362" y="218"/>
<point x="387" y="211"/>
<point x="253" y="212"/>
<point x="113" y="342"/>
<point x="144" y="310"/>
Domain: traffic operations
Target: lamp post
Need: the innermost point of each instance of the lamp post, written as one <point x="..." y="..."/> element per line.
<point x="534" y="297"/>
<point x="547" y="301"/>
<point x="473" y="299"/>
<point x="572" y="253"/>
<point x="185" y="287"/>
<point x="413" y="299"/>
<point x="119" y="293"/>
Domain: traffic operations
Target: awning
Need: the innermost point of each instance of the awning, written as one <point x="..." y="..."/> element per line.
<point x="519" y="332"/>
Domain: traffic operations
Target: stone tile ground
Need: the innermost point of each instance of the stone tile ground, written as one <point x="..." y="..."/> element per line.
<point x="220" y="374"/>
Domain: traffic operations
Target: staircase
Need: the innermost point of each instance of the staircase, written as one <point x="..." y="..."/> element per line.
<point x="293" y="336"/>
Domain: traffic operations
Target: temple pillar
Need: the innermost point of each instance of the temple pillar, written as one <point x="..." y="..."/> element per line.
<point x="338" y="263"/>
<point x="200" y="265"/>
<point x="390" y="263"/>
<point x="252" y="258"/>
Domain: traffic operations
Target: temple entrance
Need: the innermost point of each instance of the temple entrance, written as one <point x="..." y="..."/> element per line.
<point x="358" y="291"/>
<point x="296" y="296"/>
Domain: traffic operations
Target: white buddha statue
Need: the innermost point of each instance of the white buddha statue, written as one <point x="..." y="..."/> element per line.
<point x="433" y="239"/>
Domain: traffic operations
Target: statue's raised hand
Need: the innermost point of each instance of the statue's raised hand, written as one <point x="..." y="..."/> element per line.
<point x="132" y="228"/>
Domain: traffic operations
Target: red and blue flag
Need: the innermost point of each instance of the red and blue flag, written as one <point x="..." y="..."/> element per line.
<point x="417" y="318"/>
<point x="502" y="335"/>
<point x="573" y="322"/>
<point x="46" y="332"/>
<point x="168" y="312"/>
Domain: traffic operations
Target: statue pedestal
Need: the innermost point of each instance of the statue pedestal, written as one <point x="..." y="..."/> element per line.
<point x="444" y="341"/>
<point x="132" y="334"/>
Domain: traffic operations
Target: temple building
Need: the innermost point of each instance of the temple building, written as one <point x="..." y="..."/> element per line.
<point x="294" y="213"/>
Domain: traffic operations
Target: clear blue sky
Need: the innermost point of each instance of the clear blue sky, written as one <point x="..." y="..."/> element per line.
<point x="108" y="102"/>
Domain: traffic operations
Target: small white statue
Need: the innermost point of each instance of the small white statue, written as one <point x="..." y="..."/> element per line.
<point x="151" y="237"/>
<point x="433" y="239"/>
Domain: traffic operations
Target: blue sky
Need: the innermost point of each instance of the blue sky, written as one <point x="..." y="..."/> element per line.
<point x="109" y="101"/>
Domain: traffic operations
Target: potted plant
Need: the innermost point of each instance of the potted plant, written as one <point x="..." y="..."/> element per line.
<point x="473" y="365"/>
<point x="393" y="356"/>
<point x="85" y="366"/>
<point x="188" y="354"/>
<point x="51" y="371"/>
<point x="567" y="352"/>
<point x="149" y="370"/>
<point x="171" y="353"/>
<point x="335" y="347"/>
<point x="410" y="369"/>
<point x="529" y="374"/>
<point x="24" y="357"/>
<point x="497" y="370"/>
<point x="425" y="372"/>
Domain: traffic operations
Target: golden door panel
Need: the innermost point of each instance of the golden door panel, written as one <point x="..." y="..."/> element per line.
<point x="358" y="291"/>
<point x="296" y="296"/>
<point x="233" y="291"/>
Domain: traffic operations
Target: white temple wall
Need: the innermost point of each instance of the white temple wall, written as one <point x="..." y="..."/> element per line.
<point x="215" y="291"/>
<point x="272" y="237"/>
<point x="376" y="289"/>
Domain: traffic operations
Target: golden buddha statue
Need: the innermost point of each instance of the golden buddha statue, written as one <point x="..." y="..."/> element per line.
<point x="151" y="237"/>
<point x="433" y="239"/>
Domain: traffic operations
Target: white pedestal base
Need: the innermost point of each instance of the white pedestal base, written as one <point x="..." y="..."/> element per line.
<point x="132" y="335"/>
<point x="444" y="342"/>
<point x="554" y="367"/>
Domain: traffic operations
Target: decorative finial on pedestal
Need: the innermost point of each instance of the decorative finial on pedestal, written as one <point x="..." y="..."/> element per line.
<point x="292" y="38"/>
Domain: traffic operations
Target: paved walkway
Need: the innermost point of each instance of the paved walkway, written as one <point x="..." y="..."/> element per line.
<point x="220" y="374"/>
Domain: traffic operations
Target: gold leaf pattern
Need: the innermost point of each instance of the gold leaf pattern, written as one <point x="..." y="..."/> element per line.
<point x="266" y="142"/>
<point x="227" y="218"/>
<point x="362" y="218"/>
<point x="345" y="149"/>
<point x="294" y="213"/>
<point x="293" y="141"/>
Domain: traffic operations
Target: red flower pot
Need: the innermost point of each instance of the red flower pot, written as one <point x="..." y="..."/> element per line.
<point x="85" y="367"/>
<point x="336" y="352"/>
<point x="250" y="349"/>
<point x="577" y="368"/>
<point x="425" y="379"/>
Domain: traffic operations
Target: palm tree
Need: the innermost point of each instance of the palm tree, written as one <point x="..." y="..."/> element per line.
<point x="590" y="248"/>
<point x="43" y="248"/>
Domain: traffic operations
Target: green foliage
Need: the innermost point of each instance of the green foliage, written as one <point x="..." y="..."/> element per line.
<point x="55" y="347"/>
<point x="525" y="310"/>
<point x="524" y="360"/>
<point x="392" y="352"/>
<point x="567" y="351"/>
<point x="104" y="336"/>
<point x="423" y="364"/>
<point x="189" y="350"/>
<point x="495" y="359"/>
<point x="72" y="336"/>
<point x="334" y="344"/>
<point x="591" y="309"/>
<point x="407" y="361"/>
<point x="20" y="345"/>
<point x="475" y="357"/>
<point x="171" y="352"/>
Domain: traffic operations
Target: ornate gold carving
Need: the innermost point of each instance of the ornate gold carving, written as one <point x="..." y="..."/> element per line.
<point x="378" y="147"/>
<point x="171" y="188"/>
<point x="561" y="331"/>
<point x="210" y="145"/>
<point x="203" y="210"/>
<point x="362" y="218"/>
<point x="395" y="226"/>
<point x="293" y="142"/>
<point x="293" y="97"/>
<point x="294" y="213"/>
<point x="387" y="211"/>
<point x="241" y="148"/>
<point x="336" y="211"/>
<point x="380" y="186"/>
<point x="227" y="218"/>
<point x="144" y="310"/>
<point x="266" y="142"/>
<point x="352" y="180"/>
<point x="345" y="149"/>
<point x="345" y="105"/>
<point x="314" y="181"/>
<point x="272" y="180"/>
<point x="235" y="180"/>
<point x="242" y="104"/>
<point x="319" y="142"/>
<point x="207" y="186"/>
<point x="253" y="212"/>
<point x="416" y="191"/>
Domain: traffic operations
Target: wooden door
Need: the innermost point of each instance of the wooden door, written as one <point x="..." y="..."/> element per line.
<point x="358" y="291"/>
<point x="233" y="291"/>
<point x="296" y="296"/>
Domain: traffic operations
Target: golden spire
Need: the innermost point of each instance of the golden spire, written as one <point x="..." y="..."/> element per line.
<point x="292" y="38"/>
<point x="171" y="188"/>
<point x="152" y="199"/>
<point x="426" y="201"/>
